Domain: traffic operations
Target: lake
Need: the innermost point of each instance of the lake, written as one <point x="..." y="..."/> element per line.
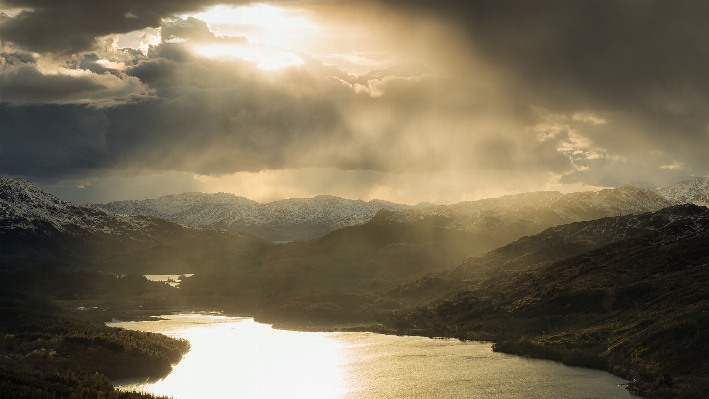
<point x="239" y="358"/>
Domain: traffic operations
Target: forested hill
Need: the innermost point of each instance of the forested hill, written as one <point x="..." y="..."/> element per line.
<point x="52" y="348"/>
<point x="636" y="307"/>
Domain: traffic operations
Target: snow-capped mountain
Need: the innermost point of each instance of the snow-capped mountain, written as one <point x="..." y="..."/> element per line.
<point x="695" y="191"/>
<point x="36" y="227"/>
<point x="284" y="220"/>
<point x="24" y="206"/>
<point x="510" y="216"/>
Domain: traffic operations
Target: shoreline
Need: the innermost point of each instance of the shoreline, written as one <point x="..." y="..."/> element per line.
<point x="498" y="345"/>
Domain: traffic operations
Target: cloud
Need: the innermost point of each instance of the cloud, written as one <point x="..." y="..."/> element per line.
<point x="195" y="30"/>
<point x="28" y="82"/>
<point x="73" y="26"/>
<point x="222" y="116"/>
<point x="635" y="71"/>
<point x="599" y="94"/>
<point x="52" y="140"/>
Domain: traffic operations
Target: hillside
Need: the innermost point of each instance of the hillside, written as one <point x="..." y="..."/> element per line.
<point x="636" y="307"/>
<point x="553" y="244"/>
<point x="38" y="228"/>
<point x="295" y="219"/>
<point x="356" y="259"/>
<point x="53" y="344"/>
<point x="511" y="217"/>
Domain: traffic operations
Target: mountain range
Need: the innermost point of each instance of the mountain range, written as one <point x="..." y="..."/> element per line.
<point x="507" y="218"/>
<point x="38" y="228"/>
<point x="279" y="221"/>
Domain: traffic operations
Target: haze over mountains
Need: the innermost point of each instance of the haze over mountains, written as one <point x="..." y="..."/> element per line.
<point x="506" y="218"/>
<point x="37" y="227"/>
<point x="551" y="245"/>
<point x="695" y="191"/>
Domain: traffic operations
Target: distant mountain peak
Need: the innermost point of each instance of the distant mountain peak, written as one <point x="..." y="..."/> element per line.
<point x="24" y="206"/>
<point x="282" y="220"/>
<point x="695" y="191"/>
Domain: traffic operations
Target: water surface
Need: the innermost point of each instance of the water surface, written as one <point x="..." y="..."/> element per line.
<point x="172" y="279"/>
<point x="239" y="358"/>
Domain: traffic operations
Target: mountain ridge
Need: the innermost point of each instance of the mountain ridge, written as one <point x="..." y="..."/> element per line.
<point x="516" y="215"/>
<point x="283" y="220"/>
<point x="38" y="228"/>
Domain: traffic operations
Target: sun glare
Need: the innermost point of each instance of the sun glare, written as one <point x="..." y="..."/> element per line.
<point x="241" y="358"/>
<point x="268" y="29"/>
<point x="259" y="23"/>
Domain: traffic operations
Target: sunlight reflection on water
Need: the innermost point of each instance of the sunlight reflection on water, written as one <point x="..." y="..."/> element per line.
<point x="239" y="358"/>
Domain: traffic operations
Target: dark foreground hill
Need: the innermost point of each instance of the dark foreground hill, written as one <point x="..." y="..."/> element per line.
<point x="52" y="348"/>
<point x="551" y="245"/>
<point x="637" y="307"/>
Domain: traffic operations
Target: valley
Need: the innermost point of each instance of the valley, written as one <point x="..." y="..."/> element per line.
<point x="614" y="280"/>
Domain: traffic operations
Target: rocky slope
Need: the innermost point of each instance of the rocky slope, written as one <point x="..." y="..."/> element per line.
<point x="286" y="220"/>
<point x="695" y="191"/>
<point x="26" y="207"/>
<point x="38" y="228"/>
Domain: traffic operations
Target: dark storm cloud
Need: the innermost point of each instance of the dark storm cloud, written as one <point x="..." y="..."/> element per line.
<point x="26" y="84"/>
<point x="642" y="62"/>
<point x="72" y="26"/>
<point x="217" y="117"/>
<point x="209" y="117"/>
<point x="599" y="93"/>
<point x="44" y="140"/>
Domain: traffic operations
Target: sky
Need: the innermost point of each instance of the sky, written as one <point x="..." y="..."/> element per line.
<point x="402" y="100"/>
